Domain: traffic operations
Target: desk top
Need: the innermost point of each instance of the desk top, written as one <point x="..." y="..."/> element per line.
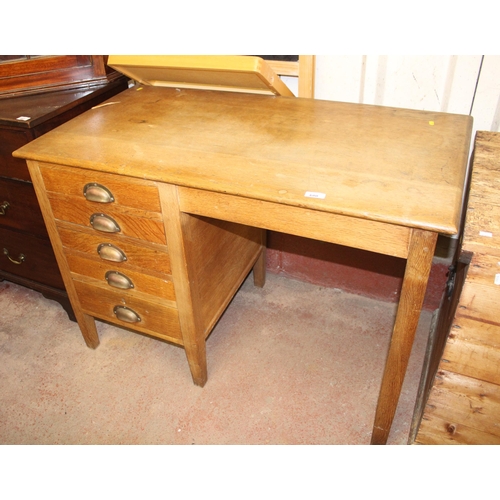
<point x="400" y="166"/>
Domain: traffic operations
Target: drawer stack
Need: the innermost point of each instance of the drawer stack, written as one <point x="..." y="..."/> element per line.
<point x="112" y="231"/>
<point x="129" y="256"/>
<point x="464" y="403"/>
<point x="24" y="244"/>
<point x="26" y="255"/>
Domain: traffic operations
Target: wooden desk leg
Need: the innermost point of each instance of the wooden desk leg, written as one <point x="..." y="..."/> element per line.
<point x="259" y="268"/>
<point x="88" y="328"/>
<point x="192" y="334"/>
<point x="197" y="358"/>
<point x="418" y="266"/>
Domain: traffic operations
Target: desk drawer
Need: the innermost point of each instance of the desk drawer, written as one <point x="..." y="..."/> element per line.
<point x="154" y="317"/>
<point x="141" y="226"/>
<point x="19" y="208"/>
<point x="138" y="256"/>
<point x="120" y="277"/>
<point x="34" y="256"/>
<point x="105" y="202"/>
<point x="126" y="191"/>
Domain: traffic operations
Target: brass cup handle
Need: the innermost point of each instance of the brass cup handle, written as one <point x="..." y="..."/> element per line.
<point x="104" y="223"/>
<point x="3" y="207"/>
<point x="98" y="193"/>
<point x="126" y="314"/>
<point x="21" y="257"/>
<point x="107" y="251"/>
<point x="118" y="280"/>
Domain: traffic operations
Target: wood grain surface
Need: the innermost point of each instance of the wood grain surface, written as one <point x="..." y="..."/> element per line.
<point x="393" y="165"/>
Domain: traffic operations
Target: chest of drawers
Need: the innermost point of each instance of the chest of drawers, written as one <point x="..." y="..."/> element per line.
<point x="26" y="255"/>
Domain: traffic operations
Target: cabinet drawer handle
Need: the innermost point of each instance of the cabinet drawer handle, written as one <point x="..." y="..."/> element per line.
<point x="104" y="223"/>
<point x="97" y="192"/>
<point x="3" y="207"/>
<point x="126" y="314"/>
<point x="21" y="257"/>
<point x="107" y="251"/>
<point x="118" y="280"/>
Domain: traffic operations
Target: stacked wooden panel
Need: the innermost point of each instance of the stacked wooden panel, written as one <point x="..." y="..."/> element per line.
<point x="464" y="403"/>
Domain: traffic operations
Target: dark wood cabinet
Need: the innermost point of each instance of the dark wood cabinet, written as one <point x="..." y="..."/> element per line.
<point x="24" y="75"/>
<point x="26" y="255"/>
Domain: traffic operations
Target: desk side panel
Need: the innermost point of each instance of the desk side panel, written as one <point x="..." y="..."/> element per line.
<point x="85" y="322"/>
<point x="220" y="254"/>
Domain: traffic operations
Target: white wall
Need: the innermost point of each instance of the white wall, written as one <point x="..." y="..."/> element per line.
<point x="486" y="108"/>
<point x="455" y="84"/>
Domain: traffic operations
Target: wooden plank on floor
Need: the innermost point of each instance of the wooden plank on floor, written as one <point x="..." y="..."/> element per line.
<point x="480" y="302"/>
<point x="436" y="430"/>
<point x="483" y="224"/>
<point x="473" y="349"/>
<point x="465" y="401"/>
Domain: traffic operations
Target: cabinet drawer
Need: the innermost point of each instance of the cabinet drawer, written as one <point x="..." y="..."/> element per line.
<point x="10" y="140"/>
<point x="138" y="256"/>
<point x="39" y="263"/>
<point x="105" y="272"/>
<point x="155" y="318"/>
<point x="19" y="208"/>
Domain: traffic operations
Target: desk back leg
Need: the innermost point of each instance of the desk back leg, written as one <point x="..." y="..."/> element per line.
<point x="418" y="266"/>
<point x="259" y="268"/>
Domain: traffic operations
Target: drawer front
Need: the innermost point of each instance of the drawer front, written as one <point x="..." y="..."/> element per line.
<point x="126" y="191"/>
<point x="138" y="257"/>
<point x="141" y="226"/>
<point x="104" y="202"/>
<point x="11" y="167"/>
<point x="155" y="319"/>
<point x="19" y="208"/>
<point x="30" y="257"/>
<point x="128" y="281"/>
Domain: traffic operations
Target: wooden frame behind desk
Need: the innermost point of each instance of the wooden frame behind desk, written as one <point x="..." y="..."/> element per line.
<point x="382" y="179"/>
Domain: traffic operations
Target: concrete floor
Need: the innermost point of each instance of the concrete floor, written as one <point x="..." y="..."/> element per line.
<point x="292" y="363"/>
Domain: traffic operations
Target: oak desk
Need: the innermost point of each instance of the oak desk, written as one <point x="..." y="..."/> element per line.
<point x="177" y="161"/>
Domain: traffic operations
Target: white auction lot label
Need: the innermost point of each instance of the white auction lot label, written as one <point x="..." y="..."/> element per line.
<point x="314" y="194"/>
